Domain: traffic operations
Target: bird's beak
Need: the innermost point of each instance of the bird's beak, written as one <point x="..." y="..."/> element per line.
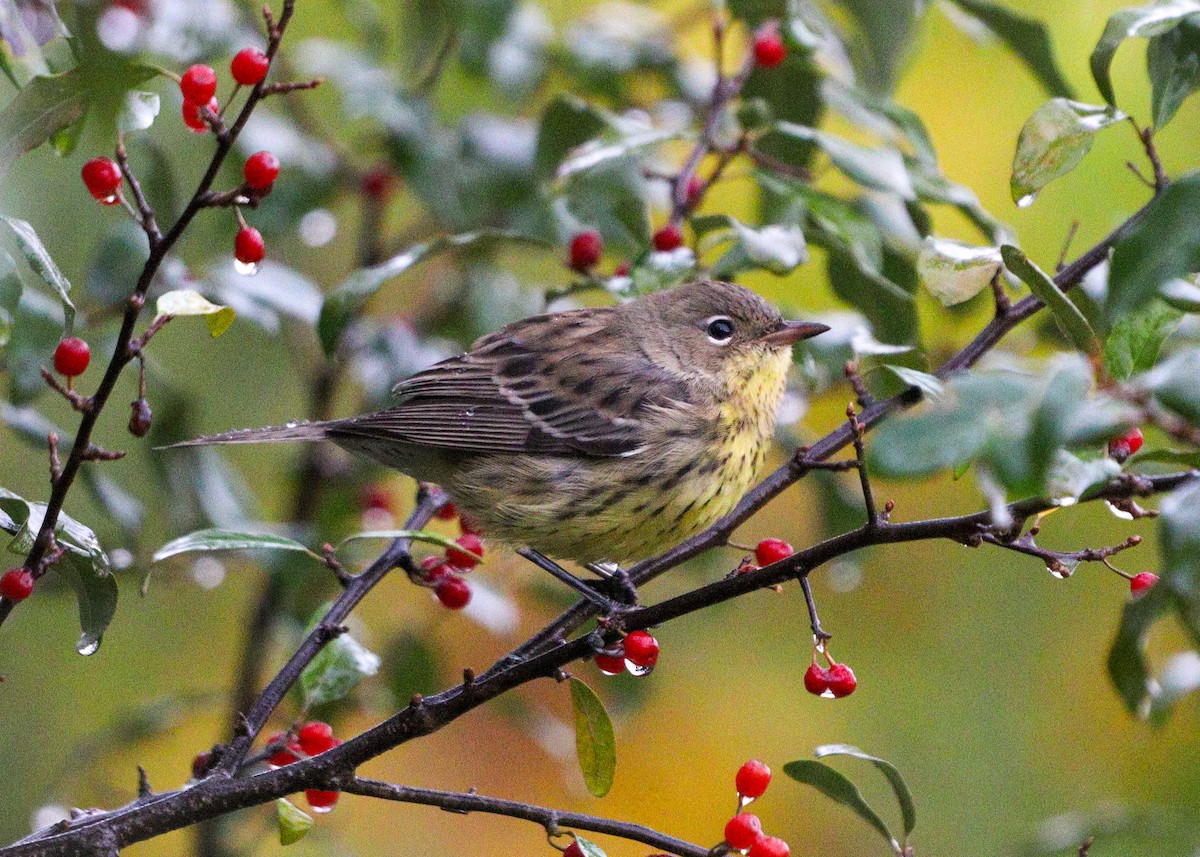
<point x="793" y="331"/>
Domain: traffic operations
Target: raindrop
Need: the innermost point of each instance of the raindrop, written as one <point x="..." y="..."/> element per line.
<point x="291" y="424"/>
<point x="1118" y="512"/>
<point x="111" y="199"/>
<point x="246" y="269"/>
<point x="320" y="810"/>
<point x="1061" y="570"/>
<point x="87" y="645"/>
<point x="636" y="670"/>
<point x="1027" y="200"/>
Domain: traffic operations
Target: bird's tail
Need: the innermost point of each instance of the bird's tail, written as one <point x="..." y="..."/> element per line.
<point x="270" y="434"/>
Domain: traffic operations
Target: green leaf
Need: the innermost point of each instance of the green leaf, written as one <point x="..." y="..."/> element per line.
<point x="595" y="742"/>
<point x="1127" y="657"/>
<point x="778" y="248"/>
<point x="1179" y="540"/>
<point x="1052" y="143"/>
<point x="217" y="539"/>
<point x="835" y="786"/>
<point x="1045" y="290"/>
<point x="1183" y="293"/>
<point x="45" y="106"/>
<point x="184" y="302"/>
<point x="1028" y="39"/>
<point x="1190" y="458"/>
<point x="955" y="272"/>
<point x="138" y="112"/>
<point x="1176" y="384"/>
<point x="336" y="670"/>
<point x="568" y="123"/>
<point x="1153" y="19"/>
<point x="37" y="329"/>
<point x="880" y="169"/>
<point x="931" y="386"/>
<point x="1135" y="340"/>
<point x="84" y="566"/>
<point x="1173" y="63"/>
<point x="908" y="810"/>
<point x="1163" y="246"/>
<point x="42" y="264"/>
<point x="416" y="535"/>
<point x="347" y="300"/>
<point x="294" y="823"/>
<point x="588" y="847"/>
<point x="591" y="155"/>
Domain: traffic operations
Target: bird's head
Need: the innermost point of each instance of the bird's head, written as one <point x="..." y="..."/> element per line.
<point x="712" y="328"/>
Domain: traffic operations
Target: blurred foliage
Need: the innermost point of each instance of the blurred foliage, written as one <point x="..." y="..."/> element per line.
<point x="428" y="192"/>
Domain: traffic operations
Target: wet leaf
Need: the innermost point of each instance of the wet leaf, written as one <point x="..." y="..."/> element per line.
<point x="1045" y="290"/>
<point x="36" y="331"/>
<point x="42" y="264"/>
<point x="568" y="123"/>
<point x="1052" y="143"/>
<point x="336" y="670"/>
<point x="1152" y="19"/>
<point x="294" y="823"/>
<point x="880" y="169"/>
<point x="931" y="386"/>
<point x="835" y="786"/>
<point x="955" y="272"/>
<point x="589" y="848"/>
<point x="908" y="810"/>
<point x="1175" y="383"/>
<point x="45" y="106"/>
<point x="185" y="302"/>
<point x="1028" y="38"/>
<point x="1136" y="339"/>
<point x="217" y="539"/>
<point x="1163" y="246"/>
<point x="1127" y="658"/>
<point x="138" y="112"/>
<point x="595" y="742"/>
<point x="591" y="155"/>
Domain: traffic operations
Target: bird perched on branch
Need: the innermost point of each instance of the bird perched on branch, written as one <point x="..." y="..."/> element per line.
<point x="603" y="434"/>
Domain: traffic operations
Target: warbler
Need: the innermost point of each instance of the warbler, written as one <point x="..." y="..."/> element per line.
<point x="596" y="435"/>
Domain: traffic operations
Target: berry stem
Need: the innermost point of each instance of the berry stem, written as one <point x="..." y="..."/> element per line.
<point x="818" y="632"/>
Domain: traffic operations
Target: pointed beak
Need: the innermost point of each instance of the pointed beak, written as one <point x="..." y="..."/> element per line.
<point x="793" y="331"/>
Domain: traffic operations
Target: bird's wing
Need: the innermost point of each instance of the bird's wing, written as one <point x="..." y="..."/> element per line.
<point x="557" y="383"/>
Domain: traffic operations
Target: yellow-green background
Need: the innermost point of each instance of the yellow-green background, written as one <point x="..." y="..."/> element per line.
<point x="981" y="677"/>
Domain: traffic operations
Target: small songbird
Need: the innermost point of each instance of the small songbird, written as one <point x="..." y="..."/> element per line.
<point x="596" y="435"/>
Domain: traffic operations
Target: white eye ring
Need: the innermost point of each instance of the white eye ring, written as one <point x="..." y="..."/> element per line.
<point x="720" y="329"/>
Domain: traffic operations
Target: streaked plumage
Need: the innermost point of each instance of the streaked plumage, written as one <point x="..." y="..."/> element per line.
<point x="594" y="434"/>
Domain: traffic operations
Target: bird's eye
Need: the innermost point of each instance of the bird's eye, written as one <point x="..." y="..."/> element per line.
<point x="719" y="330"/>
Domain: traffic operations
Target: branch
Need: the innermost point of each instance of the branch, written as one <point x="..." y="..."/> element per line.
<point x="121" y="356"/>
<point x="551" y="819"/>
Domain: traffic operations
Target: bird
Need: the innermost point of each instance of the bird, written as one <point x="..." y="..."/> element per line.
<point x="595" y="435"/>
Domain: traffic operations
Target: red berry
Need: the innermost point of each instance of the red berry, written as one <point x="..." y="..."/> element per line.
<point x="316" y="737"/>
<point x="743" y="830"/>
<point x="192" y="117"/>
<point x="460" y="558"/>
<point x="283" y="757"/>
<point x="611" y="664"/>
<point x="1123" y="446"/>
<point x="841" y="680"/>
<point x="1140" y="584"/>
<point x="573" y="850"/>
<point x="816" y="680"/>
<point x="200" y="765"/>
<point x="452" y="591"/>
<point x="668" y="238"/>
<point x="248" y="246"/>
<point x="447" y="512"/>
<point x="261" y="170"/>
<point x="769" y="49"/>
<point x="376" y="182"/>
<point x="622" y="270"/>
<point x="772" y="550"/>
<point x="770" y="846"/>
<point x="641" y="649"/>
<point x="694" y="186"/>
<point x="16" y="584"/>
<point x="752" y="779"/>
<point x="469" y="525"/>
<point x="71" y="357"/>
<point x="198" y="84"/>
<point x="103" y="179"/>
<point x="249" y="66"/>
<point x="586" y="248"/>
<point x="433" y="568"/>
<point x="320" y="800"/>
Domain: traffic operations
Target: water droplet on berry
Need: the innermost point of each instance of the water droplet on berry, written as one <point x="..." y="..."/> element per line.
<point x="636" y="670"/>
<point x="111" y="199"/>
<point x="246" y="269"/>
<point x="88" y="645"/>
<point x="320" y="810"/>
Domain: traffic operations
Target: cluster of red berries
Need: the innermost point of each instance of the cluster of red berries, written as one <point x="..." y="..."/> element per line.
<point x="744" y="831"/>
<point x="16" y="584"/>
<point x="444" y="574"/>
<point x="638" y="653"/>
<point x="834" y="682"/>
<point x="1125" y="445"/>
<point x="312" y="739"/>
